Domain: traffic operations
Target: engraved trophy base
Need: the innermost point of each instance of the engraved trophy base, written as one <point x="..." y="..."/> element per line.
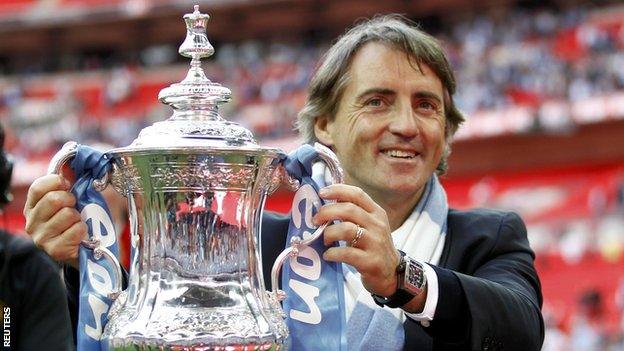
<point x="245" y="347"/>
<point x="145" y="346"/>
<point x="193" y="328"/>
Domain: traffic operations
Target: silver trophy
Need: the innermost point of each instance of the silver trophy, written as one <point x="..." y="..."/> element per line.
<point x="196" y="186"/>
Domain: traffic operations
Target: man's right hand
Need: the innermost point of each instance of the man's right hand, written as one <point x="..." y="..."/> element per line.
<point x="51" y="219"/>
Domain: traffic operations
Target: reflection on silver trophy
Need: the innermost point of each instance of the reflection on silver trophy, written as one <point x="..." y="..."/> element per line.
<point x="196" y="186"/>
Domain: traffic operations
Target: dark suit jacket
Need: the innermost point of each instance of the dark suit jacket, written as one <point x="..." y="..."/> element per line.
<point x="32" y="292"/>
<point x="489" y="292"/>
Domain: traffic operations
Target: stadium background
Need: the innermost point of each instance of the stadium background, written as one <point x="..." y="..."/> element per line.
<point x="541" y="82"/>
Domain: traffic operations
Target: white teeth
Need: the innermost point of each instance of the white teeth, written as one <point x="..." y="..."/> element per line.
<point x="400" y="153"/>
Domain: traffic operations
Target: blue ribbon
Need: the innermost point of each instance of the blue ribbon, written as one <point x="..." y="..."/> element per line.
<point x="314" y="301"/>
<point x="96" y="276"/>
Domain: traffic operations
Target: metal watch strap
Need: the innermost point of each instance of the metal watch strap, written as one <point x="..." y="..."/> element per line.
<point x="400" y="297"/>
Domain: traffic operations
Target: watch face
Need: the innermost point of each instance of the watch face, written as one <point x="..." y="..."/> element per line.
<point x="414" y="277"/>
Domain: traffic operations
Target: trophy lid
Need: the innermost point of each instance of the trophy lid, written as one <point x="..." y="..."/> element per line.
<point x="195" y="122"/>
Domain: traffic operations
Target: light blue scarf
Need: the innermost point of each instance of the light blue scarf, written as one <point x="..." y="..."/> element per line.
<point x="422" y="237"/>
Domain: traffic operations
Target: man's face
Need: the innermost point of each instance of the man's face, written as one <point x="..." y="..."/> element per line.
<point x="388" y="131"/>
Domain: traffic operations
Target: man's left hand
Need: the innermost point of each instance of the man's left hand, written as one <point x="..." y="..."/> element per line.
<point x="373" y="255"/>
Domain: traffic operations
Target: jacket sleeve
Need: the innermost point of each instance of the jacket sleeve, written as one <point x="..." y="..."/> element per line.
<point x="497" y="306"/>
<point x="45" y="322"/>
<point x="71" y="279"/>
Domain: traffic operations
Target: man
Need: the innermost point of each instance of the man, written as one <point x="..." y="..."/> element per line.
<point x="381" y="99"/>
<point x="32" y="298"/>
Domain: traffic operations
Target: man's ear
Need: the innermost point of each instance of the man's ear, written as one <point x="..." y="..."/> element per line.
<point x="323" y="130"/>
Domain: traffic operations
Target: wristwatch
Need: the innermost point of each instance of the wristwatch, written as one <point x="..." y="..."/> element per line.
<point x="411" y="281"/>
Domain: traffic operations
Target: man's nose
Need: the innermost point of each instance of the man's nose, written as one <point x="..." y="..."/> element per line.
<point x="404" y="122"/>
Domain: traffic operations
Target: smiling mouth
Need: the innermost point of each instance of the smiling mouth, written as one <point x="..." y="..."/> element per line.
<point x="402" y="154"/>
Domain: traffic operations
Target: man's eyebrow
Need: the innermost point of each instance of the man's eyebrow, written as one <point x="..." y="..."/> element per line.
<point x="428" y="95"/>
<point x="380" y="91"/>
<point x="386" y="91"/>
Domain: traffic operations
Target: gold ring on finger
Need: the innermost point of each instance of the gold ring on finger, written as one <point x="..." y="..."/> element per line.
<point x="359" y="233"/>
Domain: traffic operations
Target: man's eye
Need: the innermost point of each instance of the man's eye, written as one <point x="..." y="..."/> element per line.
<point x="426" y="105"/>
<point x="375" y="102"/>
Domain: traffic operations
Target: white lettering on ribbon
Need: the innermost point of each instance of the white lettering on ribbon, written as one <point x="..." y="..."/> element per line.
<point x="99" y="218"/>
<point x="306" y="193"/>
<point x="311" y="271"/>
<point x="98" y="307"/>
<point x="307" y="292"/>
<point x="99" y="277"/>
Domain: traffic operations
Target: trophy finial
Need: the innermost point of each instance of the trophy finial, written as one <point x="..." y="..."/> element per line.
<point x="196" y="44"/>
<point x="195" y="100"/>
<point x="196" y="95"/>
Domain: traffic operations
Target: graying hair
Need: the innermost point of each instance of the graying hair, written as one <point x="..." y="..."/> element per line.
<point x="332" y="74"/>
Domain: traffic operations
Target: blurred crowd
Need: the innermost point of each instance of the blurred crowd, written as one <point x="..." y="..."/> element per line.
<point x="588" y="329"/>
<point x="520" y="57"/>
<point x="527" y="57"/>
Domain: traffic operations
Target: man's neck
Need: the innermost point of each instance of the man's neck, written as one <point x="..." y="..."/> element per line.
<point x="398" y="208"/>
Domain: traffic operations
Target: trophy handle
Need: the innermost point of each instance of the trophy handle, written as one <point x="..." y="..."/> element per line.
<point x="333" y="165"/>
<point x="62" y="157"/>
<point x="100" y="252"/>
<point x="65" y="155"/>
